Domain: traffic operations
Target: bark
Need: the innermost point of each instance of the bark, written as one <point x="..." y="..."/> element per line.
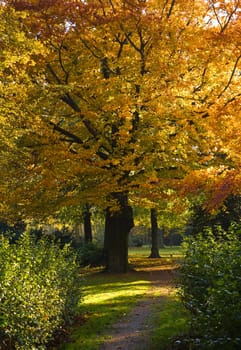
<point x="117" y="227"/>
<point x="154" y="235"/>
<point x="87" y="224"/>
<point x="161" y="243"/>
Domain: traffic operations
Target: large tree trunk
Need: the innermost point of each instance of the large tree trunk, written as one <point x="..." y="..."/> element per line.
<point x="154" y="235"/>
<point x="117" y="227"/>
<point x="87" y="224"/>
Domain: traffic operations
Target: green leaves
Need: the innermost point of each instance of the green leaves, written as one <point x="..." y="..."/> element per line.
<point x="39" y="290"/>
<point x="210" y="282"/>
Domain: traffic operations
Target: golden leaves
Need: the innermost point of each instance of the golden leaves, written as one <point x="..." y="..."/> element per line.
<point x="139" y="99"/>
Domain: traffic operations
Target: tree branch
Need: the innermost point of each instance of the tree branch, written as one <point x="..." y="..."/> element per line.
<point x="70" y="135"/>
<point x="231" y="77"/>
<point x="70" y="101"/>
<point x="171" y="8"/>
<point x="74" y="138"/>
<point x="62" y="64"/>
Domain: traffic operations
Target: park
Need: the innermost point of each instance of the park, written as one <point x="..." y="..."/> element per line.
<point x="120" y="175"/>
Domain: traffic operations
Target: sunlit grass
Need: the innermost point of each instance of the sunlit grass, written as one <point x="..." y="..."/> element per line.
<point x="144" y="251"/>
<point x="170" y="256"/>
<point x="106" y="298"/>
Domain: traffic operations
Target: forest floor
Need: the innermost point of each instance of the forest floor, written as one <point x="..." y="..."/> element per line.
<point x="134" y="331"/>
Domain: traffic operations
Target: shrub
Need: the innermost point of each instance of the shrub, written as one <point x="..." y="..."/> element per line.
<point x="136" y="242"/>
<point x="91" y="254"/>
<point x="39" y="291"/>
<point x="210" y="280"/>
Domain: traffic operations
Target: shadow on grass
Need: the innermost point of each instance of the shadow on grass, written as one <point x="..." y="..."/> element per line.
<point x="171" y="320"/>
<point x="109" y="297"/>
<point x="106" y="298"/>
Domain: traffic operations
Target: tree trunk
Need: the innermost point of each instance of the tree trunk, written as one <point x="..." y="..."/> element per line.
<point x="154" y="235"/>
<point x="162" y="232"/>
<point x="87" y="225"/>
<point x="117" y="227"/>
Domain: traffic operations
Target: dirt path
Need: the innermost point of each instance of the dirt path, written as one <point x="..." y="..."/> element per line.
<point x="133" y="331"/>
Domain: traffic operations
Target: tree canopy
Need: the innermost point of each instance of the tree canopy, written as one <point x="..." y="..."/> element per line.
<point x="116" y="98"/>
<point x="126" y="96"/>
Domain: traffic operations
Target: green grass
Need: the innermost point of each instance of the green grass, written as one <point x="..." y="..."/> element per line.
<point x="138" y="256"/>
<point x="171" y="321"/>
<point x="107" y="297"/>
<point x="144" y="251"/>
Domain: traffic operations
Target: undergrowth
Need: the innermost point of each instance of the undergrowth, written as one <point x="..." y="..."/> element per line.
<point x="39" y="291"/>
<point x="211" y="289"/>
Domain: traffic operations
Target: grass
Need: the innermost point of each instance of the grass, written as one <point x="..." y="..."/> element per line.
<point x="138" y="256"/>
<point x="144" y="251"/>
<point x="107" y="297"/>
<point x="171" y="321"/>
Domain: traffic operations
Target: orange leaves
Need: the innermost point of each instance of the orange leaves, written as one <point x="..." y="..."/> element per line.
<point x="135" y="96"/>
<point x="215" y="183"/>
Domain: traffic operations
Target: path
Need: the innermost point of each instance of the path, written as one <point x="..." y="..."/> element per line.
<point x="133" y="331"/>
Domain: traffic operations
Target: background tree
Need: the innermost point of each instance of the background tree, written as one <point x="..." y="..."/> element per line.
<point x="155" y="240"/>
<point x="229" y="213"/>
<point x="76" y="215"/>
<point x="223" y="112"/>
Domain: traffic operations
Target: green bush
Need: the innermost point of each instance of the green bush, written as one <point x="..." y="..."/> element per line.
<point x="39" y="291"/>
<point x="91" y="254"/>
<point x="210" y="280"/>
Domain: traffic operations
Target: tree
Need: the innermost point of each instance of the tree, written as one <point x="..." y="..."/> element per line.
<point x="154" y="235"/>
<point x="109" y="116"/>
<point x="18" y="54"/>
<point x="229" y="213"/>
<point x="169" y="213"/>
<point x="223" y="109"/>
<point x="75" y="215"/>
<point x="87" y="224"/>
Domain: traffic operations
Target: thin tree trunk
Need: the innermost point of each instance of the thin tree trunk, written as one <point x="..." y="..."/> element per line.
<point x="87" y="225"/>
<point x="162" y="232"/>
<point x="117" y="227"/>
<point x="154" y="235"/>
